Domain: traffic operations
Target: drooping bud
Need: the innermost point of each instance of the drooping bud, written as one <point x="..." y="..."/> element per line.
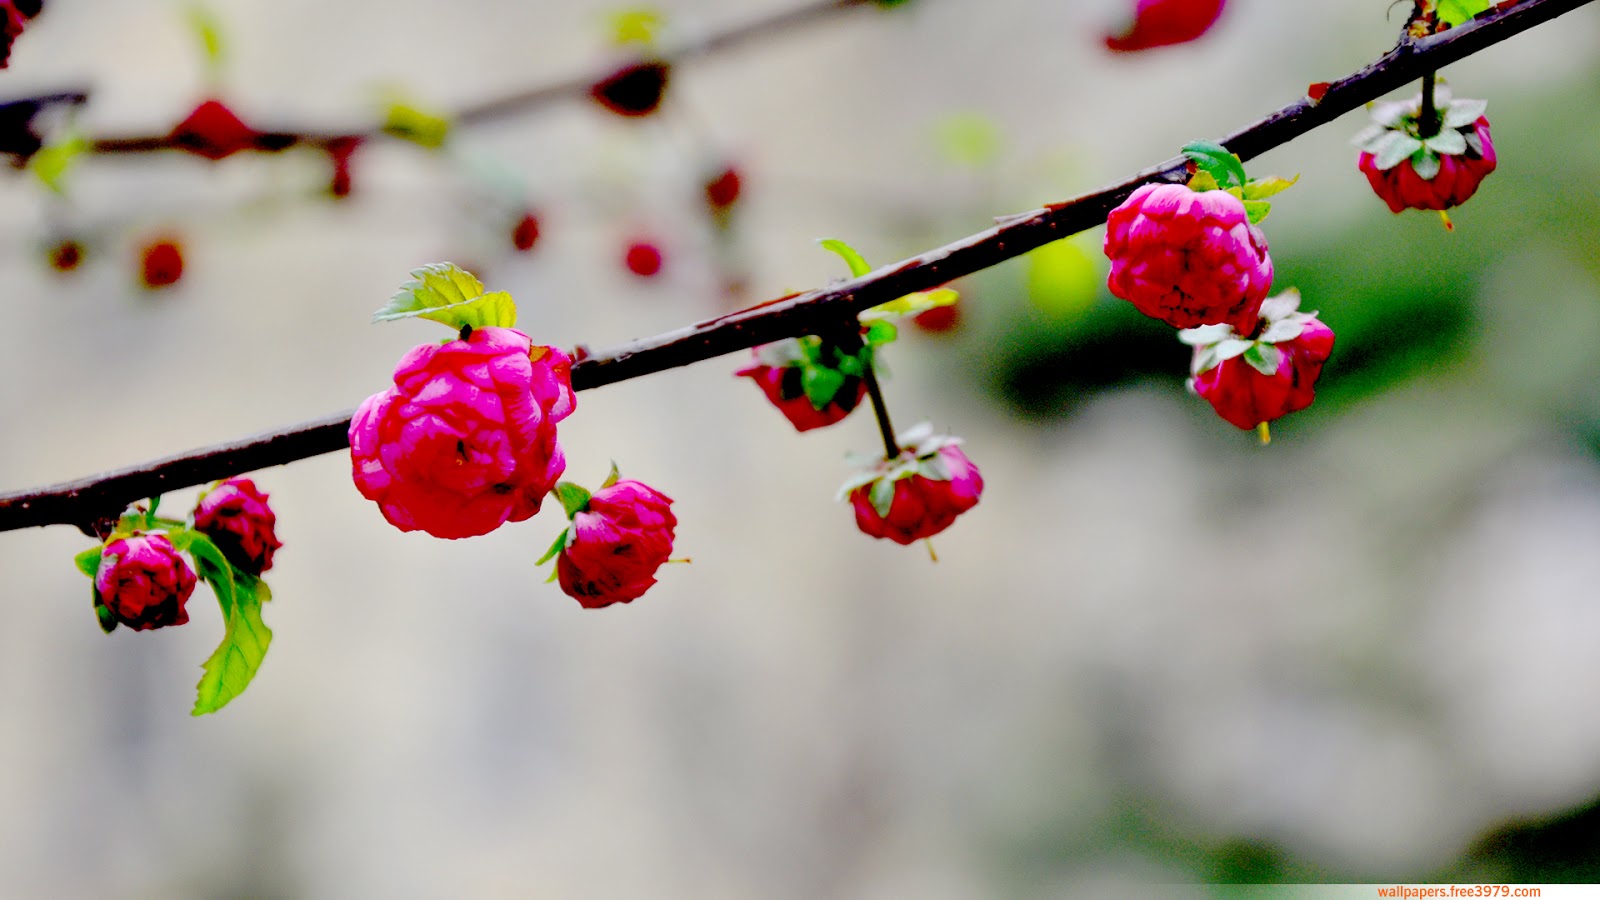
<point x="235" y="516"/>
<point x="144" y="582"/>
<point x="917" y="494"/>
<point x="1251" y="382"/>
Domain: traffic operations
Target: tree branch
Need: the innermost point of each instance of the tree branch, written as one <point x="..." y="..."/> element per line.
<point x="86" y="500"/>
<point x="575" y="87"/>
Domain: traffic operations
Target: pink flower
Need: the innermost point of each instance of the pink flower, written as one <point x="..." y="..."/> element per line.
<point x="780" y="375"/>
<point x="236" y="517"/>
<point x="1188" y="258"/>
<point x="466" y="439"/>
<point x="1251" y="382"/>
<point x="213" y="131"/>
<point x="10" y="29"/>
<point x="144" y="582"/>
<point x="919" y="493"/>
<point x="616" y="544"/>
<point x="1158" y="23"/>
<point x="1455" y="182"/>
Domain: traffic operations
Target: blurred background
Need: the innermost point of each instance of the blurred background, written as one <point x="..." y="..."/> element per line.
<point x="1156" y="652"/>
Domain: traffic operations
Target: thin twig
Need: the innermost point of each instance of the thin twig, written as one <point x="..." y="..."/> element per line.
<point x="85" y="500"/>
<point x="572" y="87"/>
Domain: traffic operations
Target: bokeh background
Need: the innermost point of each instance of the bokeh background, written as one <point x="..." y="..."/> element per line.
<point x="1156" y="652"/>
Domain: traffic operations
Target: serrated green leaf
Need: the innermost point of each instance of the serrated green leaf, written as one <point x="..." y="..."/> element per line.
<point x="1393" y="149"/>
<point x="236" y="660"/>
<point x="1458" y="12"/>
<point x="1449" y="142"/>
<point x="209" y="32"/>
<point x="556" y="546"/>
<point x="1264" y="358"/>
<point x="1262" y="188"/>
<point x="1257" y="210"/>
<point x="409" y="123"/>
<point x="1215" y="159"/>
<point x="820" y="384"/>
<point x="881" y="332"/>
<point x="912" y="304"/>
<point x="450" y="295"/>
<point x="857" y="263"/>
<point x="53" y="161"/>
<point x="245" y="637"/>
<point x="882" y="496"/>
<point x="88" y="562"/>
<point x="574" y="497"/>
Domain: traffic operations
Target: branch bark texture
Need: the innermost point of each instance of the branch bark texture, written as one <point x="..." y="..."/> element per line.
<point x="87" y="500"/>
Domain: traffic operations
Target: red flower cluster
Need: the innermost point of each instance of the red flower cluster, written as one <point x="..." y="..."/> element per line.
<point x="615" y="544"/>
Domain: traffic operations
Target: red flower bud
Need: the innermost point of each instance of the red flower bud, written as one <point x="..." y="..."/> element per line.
<point x="144" y="582"/>
<point x="213" y="131"/>
<point x="633" y="90"/>
<point x="66" y="255"/>
<point x="940" y="319"/>
<point x="722" y="190"/>
<point x="340" y="151"/>
<point x="1159" y="23"/>
<point x="236" y="517"/>
<point x="526" y="233"/>
<point x="643" y="259"/>
<point x="918" y="493"/>
<point x="161" y="264"/>
<point x="1188" y="258"/>
<point x="616" y="544"/>
<point x="1251" y="382"/>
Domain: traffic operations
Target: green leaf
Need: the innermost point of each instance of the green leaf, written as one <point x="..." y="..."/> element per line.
<point x="882" y="495"/>
<point x="1264" y="358"/>
<point x="209" y="32"/>
<point x="1203" y="181"/>
<point x="613" y="478"/>
<point x="450" y="295"/>
<point x="103" y="615"/>
<point x="1215" y="159"/>
<point x="1257" y="210"/>
<point x="88" y="562"/>
<point x="1262" y="188"/>
<point x="410" y="123"/>
<point x="574" y="497"/>
<point x="968" y="139"/>
<point x="1392" y="149"/>
<point x="857" y="263"/>
<point x="912" y="304"/>
<point x="880" y="332"/>
<point x="820" y="384"/>
<point x="1458" y="12"/>
<point x="556" y="546"/>
<point x="53" y="161"/>
<point x="245" y="637"/>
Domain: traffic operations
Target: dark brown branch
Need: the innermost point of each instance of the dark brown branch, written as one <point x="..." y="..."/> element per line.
<point x="88" y="499"/>
<point x="575" y="87"/>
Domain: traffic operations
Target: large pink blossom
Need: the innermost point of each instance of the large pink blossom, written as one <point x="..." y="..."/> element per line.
<point x="144" y="582"/>
<point x="1188" y="257"/>
<point x="1457" y="180"/>
<point x="466" y="439"/>
<point x="616" y="545"/>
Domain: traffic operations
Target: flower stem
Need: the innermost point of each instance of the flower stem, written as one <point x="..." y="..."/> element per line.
<point x="931" y="555"/>
<point x="1428" y="125"/>
<point x="849" y="341"/>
